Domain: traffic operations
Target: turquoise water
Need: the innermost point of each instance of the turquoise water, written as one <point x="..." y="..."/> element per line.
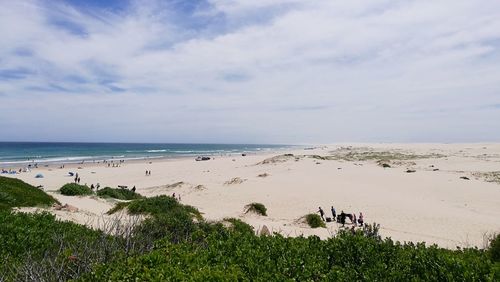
<point x="18" y="153"/>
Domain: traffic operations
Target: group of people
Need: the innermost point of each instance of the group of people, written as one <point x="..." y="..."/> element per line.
<point x="148" y="172"/>
<point x="77" y="178"/>
<point x="96" y="187"/>
<point x="341" y="218"/>
<point x="178" y="198"/>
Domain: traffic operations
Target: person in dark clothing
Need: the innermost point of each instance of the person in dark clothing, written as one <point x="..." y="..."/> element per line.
<point x="334" y="213"/>
<point x="321" y="213"/>
<point x="360" y="219"/>
<point x="342" y="218"/>
<point x="133" y="189"/>
<point x="91" y="186"/>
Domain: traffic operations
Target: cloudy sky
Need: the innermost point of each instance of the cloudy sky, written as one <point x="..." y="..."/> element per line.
<point x="240" y="71"/>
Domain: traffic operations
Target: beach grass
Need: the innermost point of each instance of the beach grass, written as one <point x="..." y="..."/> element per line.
<point x="369" y="154"/>
<point x="118" y="193"/>
<point x="73" y="189"/>
<point x="314" y="220"/>
<point x="257" y="208"/>
<point x="17" y="193"/>
<point x="491" y="176"/>
<point x="157" y="206"/>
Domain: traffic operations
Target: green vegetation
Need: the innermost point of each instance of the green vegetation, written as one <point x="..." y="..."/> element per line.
<point x="73" y="189"/>
<point x="38" y="247"/>
<point x="116" y="193"/>
<point x="158" y="206"/>
<point x="169" y="245"/>
<point x="257" y="208"/>
<point x="231" y="256"/>
<point x="314" y="220"/>
<point x="494" y="250"/>
<point x="492" y="176"/>
<point x="367" y="154"/>
<point x="16" y="193"/>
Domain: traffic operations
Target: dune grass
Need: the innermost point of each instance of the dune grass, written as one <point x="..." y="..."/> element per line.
<point x="73" y="189"/>
<point x="257" y="208"/>
<point x="159" y="205"/>
<point x="314" y="220"/>
<point x="17" y="193"/>
<point x="117" y="193"/>
<point x="369" y="154"/>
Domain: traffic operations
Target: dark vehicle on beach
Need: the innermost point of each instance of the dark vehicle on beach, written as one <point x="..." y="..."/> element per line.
<point x="202" y="159"/>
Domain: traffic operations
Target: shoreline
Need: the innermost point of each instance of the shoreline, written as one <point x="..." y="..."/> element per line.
<point x="98" y="159"/>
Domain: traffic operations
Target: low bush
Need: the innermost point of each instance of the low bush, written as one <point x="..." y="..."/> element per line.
<point x="257" y="208"/>
<point x="17" y="193"/>
<point x="117" y="193"/>
<point x="314" y="220"/>
<point x="347" y="257"/>
<point x="159" y="205"/>
<point x="239" y="226"/>
<point x="73" y="189"/>
<point x="494" y="249"/>
<point x="37" y="247"/>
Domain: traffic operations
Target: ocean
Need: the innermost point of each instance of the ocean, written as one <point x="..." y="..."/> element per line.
<point x="20" y="153"/>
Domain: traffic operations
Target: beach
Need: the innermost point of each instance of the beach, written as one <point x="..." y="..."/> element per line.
<point x="444" y="194"/>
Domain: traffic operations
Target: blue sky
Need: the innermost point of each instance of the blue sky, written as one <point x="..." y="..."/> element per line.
<point x="262" y="71"/>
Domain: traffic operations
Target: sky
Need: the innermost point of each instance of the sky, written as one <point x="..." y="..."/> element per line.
<point x="260" y="71"/>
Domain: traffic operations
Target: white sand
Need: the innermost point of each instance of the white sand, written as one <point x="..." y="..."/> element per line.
<point x="431" y="206"/>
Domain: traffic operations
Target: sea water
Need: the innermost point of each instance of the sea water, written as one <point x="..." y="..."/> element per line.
<point x="20" y="153"/>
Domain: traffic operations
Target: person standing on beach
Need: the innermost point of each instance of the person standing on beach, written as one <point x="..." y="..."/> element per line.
<point x="334" y="213"/>
<point x="342" y="218"/>
<point x="322" y="213"/>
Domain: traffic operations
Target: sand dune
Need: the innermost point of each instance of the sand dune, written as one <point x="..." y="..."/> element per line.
<point x="432" y="204"/>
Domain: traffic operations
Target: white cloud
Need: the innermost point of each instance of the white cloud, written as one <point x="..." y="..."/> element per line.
<point x="251" y="71"/>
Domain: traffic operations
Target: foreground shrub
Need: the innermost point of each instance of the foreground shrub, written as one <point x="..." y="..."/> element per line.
<point x="347" y="257"/>
<point x="257" y="208"/>
<point x="159" y="205"/>
<point x="239" y="226"/>
<point x="37" y="247"/>
<point x="73" y="189"/>
<point x="17" y="193"/>
<point x="314" y="220"/>
<point x="116" y="193"/>
<point x="494" y="249"/>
